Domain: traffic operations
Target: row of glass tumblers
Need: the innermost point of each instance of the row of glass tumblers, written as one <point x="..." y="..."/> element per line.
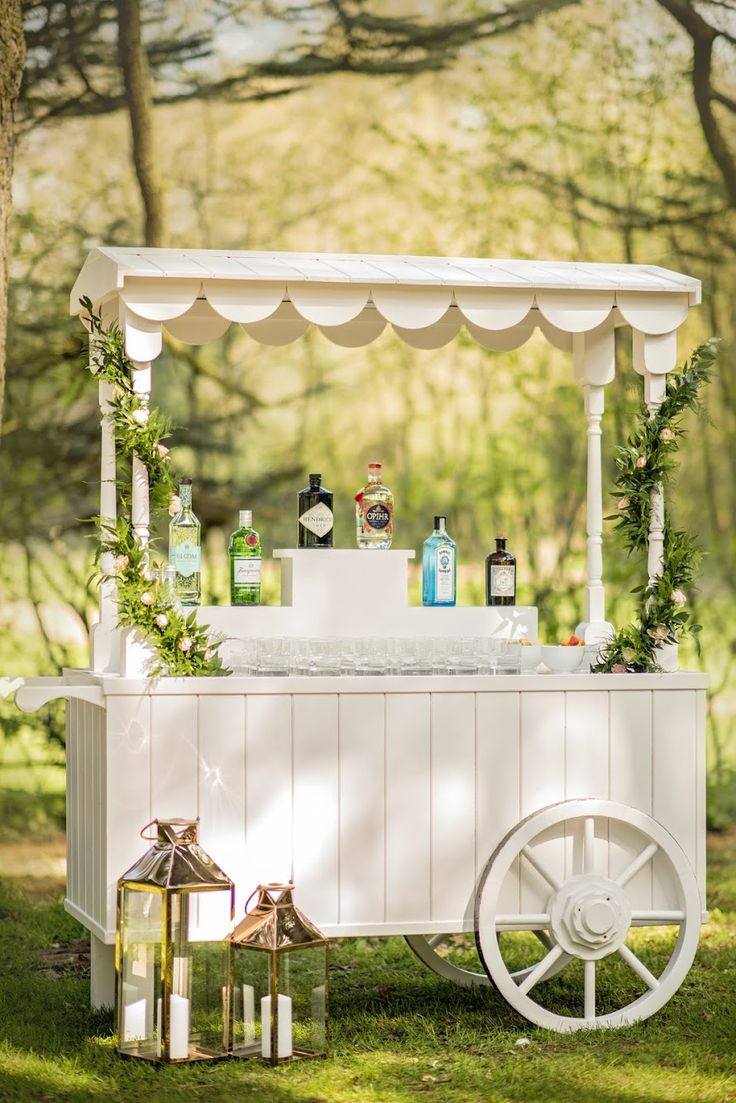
<point x="373" y="656"/>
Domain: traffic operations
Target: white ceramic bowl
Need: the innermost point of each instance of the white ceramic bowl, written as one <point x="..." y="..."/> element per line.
<point x="561" y="659"/>
<point x="531" y="656"/>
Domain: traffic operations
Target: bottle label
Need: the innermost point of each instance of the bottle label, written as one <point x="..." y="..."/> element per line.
<point x="247" y="572"/>
<point x="444" y="573"/>
<point x="376" y="515"/>
<point x="185" y="557"/>
<point x="318" y="519"/>
<point x="503" y="580"/>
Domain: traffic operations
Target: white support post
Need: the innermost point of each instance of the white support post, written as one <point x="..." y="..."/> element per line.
<point x="654" y="391"/>
<point x="140" y="507"/>
<point x="594" y="363"/>
<point x="104" y="657"/>
<point x="102" y="973"/>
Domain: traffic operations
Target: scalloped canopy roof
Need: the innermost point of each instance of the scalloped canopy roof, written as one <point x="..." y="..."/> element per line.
<point x="196" y="294"/>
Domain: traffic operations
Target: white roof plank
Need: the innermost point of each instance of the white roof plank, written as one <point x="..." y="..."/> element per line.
<point x="107" y="268"/>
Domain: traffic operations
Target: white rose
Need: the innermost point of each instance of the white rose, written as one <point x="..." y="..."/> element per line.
<point x="678" y="598"/>
<point x="119" y="563"/>
<point x="174" y="505"/>
<point x="186" y="643"/>
<point x="140" y="416"/>
<point x="641" y="461"/>
<point x="666" y="435"/>
<point x="162" y="451"/>
<point x="147" y="598"/>
<point x="623" y="503"/>
<point x="162" y="620"/>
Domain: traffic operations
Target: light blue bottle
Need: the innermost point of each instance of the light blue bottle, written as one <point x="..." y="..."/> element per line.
<point x="439" y="567"/>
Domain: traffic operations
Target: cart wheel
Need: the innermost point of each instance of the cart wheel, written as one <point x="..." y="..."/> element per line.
<point x="442" y="953"/>
<point x="589" y="916"/>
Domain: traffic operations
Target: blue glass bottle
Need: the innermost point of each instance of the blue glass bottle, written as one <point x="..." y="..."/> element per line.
<point x="439" y="567"/>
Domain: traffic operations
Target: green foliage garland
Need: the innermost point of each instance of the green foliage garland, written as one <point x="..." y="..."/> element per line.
<point x="180" y="646"/>
<point x="644" y="465"/>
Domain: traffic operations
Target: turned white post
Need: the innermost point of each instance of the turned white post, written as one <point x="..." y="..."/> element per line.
<point x="140" y="507"/>
<point x="594" y="364"/>
<point x="103" y="657"/>
<point x="655" y="356"/>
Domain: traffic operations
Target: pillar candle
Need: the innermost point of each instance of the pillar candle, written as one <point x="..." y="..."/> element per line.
<point x="249" y="1013"/>
<point x="178" y="1027"/>
<point x="284" y="1042"/>
<point x="134" y="1020"/>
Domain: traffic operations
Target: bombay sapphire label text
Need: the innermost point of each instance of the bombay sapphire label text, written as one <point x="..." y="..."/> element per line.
<point x="318" y="519"/>
<point x="444" y="572"/>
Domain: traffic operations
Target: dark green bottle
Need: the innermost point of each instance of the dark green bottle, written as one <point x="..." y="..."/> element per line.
<point x="500" y="575"/>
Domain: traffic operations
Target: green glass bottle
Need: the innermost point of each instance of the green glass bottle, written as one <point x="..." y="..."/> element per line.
<point x="245" y="562"/>
<point x="184" y="548"/>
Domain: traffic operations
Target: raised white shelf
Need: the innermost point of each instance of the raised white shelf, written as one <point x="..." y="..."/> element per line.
<point x="357" y="593"/>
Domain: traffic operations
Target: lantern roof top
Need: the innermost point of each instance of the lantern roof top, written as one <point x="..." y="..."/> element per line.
<point x="275" y="923"/>
<point x="176" y="861"/>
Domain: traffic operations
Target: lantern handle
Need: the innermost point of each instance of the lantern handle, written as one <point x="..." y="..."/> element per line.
<point x="149" y="838"/>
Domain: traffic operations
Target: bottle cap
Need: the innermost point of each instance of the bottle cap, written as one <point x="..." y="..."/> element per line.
<point x="374" y="466"/>
<point x="440" y="521"/>
<point x="315" y="479"/>
<point x="245" y="518"/>
<point x="501" y="536"/>
<point x="185" y="482"/>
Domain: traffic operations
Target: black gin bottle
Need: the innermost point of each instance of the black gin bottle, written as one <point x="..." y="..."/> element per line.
<point x="314" y="513"/>
<point x="500" y="575"/>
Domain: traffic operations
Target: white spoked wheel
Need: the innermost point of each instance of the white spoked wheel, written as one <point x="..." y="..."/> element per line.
<point x="444" y="953"/>
<point x="591" y="915"/>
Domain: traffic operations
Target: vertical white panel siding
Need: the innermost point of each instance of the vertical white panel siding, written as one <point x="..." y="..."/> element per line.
<point x="100" y="716"/>
<point x="128" y="789"/>
<point x="174" y="757"/>
<point x="407" y="807"/>
<point x="361" y="807"/>
<point x="542" y="783"/>
<point x="586" y="769"/>
<point x="72" y="802"/>
<point x="452" y="805"/>
<point x="631" y="784"/>
<point x="700" y="779"/>
<point x="497" y="791"/>
<point x="268" y="791"/>
<point x="221" y="782"/>
<point x="316" y="819"/>
<point x="675" y="773"/>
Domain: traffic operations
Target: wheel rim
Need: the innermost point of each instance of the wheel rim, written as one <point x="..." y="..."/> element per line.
<point x="588" y="914"/>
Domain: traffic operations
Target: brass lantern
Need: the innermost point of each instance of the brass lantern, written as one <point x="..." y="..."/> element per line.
<point x="175" y="907"/>
<point x="278" y="975"/>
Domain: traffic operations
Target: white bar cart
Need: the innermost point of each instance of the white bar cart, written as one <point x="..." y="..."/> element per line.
<point x="570" y="806"/>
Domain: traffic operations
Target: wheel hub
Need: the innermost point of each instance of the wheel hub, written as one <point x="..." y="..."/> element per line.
<point x="590" y="916"/>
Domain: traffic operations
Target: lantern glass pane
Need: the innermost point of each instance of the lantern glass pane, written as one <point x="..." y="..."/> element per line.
<point x="251" y="986"/>
<point x="198" y="974"/>
<point x="303" y="982"/>
<point x="139" y="984"/>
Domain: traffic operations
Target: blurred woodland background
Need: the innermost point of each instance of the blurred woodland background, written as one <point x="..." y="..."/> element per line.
<point x="571" y="130"/>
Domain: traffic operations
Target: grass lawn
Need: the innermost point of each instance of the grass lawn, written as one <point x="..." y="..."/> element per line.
<point x="397" y="1031"/>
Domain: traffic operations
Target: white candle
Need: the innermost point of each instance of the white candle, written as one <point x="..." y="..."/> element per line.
<point x="284" y="1043"/>
<point x="178" y="1027"/>
<point x="159" y="1027"/>
<point x="134" y="1020"/>
<point x="249" y="1013"/>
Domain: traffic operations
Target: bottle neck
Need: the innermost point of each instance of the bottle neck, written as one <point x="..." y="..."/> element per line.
<point x="374" y="477"/>
<point x="500" y="543"/>
<point x="440" y="524"/>
<point x="185" y="495"/>
<point x="245" y="518"/>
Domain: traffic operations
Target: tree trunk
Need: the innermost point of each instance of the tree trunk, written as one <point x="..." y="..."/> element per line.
<point x="137" y="80"/>
<point x="12" y="56"/>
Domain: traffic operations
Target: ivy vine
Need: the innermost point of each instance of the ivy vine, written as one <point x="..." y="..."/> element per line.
<point x="645" y="464"/>
<point x="180" y="646"/>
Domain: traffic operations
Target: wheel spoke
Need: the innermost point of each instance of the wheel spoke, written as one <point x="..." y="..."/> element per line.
<point x="540" y="971"/>
<point x="437" y="940"/>
<point x="638" y="966"/>
<point x="540" y="867"/>
<point x="657" y="918"/>
<point x="588" y="844"/>
<point x="590" y="990"/>
<point x="637" y="864"/>
<point x="522" y="922"/>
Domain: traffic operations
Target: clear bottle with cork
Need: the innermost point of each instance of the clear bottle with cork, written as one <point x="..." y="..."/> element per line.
<point x="246" y="556"/>
<point x="374" y="511"/>
<point x="184" y="548"/>
<point x="501" y="574"/>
